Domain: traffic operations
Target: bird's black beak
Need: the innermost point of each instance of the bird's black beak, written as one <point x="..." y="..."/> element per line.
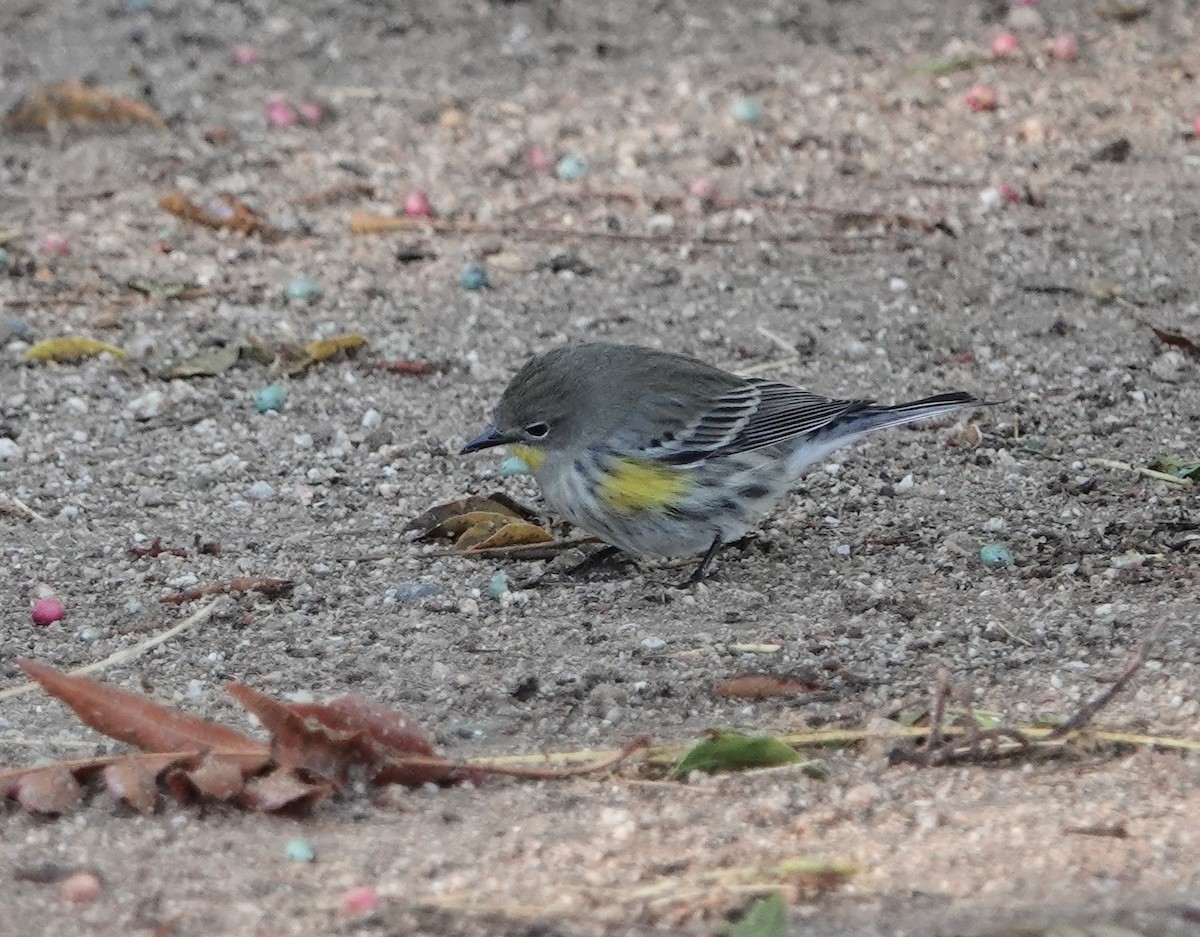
<point x="486" y="440"/>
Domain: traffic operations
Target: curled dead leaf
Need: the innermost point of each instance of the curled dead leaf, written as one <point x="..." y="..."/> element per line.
<point x="759" y="686"/>
<point x="71" y="348"/>
<point x="224" y="211"/>
<point x="75" y="103"/>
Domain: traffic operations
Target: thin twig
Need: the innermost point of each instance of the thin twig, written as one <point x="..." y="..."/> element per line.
<point x="129" y="653"/>
<point x="20" y="507"/>
<point x="1087" y="712"/>
<point x="941" y="691"/>
<point x="1140" y="470"/>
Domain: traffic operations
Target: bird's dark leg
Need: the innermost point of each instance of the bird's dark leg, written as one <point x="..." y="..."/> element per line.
<point x="699" y="571"/>
<point x="594" y="560"/>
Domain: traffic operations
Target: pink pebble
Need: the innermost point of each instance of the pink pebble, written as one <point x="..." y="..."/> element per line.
<point x="360" y="900"/>
<point x="1027" y="3"/>
<point x="1196" y="126"/>
<point x="80" y="888"/>
<point x="1005" y="46"/>
<point x="540" y="158"/>
<point x="1064" y="48"/>
<point x="1009" y="193"/>
<point x="280" y="112"/>
<point x="55" y="245"/>
<point x="48" y="611"/>
<point x="416" y="204"/>
<point x="245" y="54"/>
<point x="705" y="189"/>
<point x="981" y="98"/>
<point x="312" y="113"/>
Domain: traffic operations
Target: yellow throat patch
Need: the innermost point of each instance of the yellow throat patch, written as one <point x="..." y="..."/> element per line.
<point x="530" y="456"/>
<point x="633" y="486"/>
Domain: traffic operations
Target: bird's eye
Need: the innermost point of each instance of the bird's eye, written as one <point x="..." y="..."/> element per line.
<point x="537" y="430"/>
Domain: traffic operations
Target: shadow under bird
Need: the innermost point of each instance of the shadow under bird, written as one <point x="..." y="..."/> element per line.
<point x="655" y="452"/>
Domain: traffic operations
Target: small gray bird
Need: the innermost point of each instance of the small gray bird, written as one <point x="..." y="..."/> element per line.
<point x="655" y="452"/>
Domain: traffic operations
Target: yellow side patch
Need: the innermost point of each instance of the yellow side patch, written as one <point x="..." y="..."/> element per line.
<point x="530" y="456"/>
<point x="643" y="486"/>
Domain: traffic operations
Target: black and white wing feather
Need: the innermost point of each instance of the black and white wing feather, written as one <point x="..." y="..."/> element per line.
<point x="753" y="416"/>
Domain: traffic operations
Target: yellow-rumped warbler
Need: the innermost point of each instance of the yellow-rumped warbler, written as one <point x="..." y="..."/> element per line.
<point x="655" y="452"/>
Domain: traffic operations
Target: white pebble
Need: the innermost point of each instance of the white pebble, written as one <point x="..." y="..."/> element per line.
<point x="10" y="451"/>
<point x="260" y="491"/>
<point x="905" y="483"/>
<point x="371" y="419"/>
<point x="653" y="644"/>
<point x="993" y="525"/>
<point x="147" y="406"/>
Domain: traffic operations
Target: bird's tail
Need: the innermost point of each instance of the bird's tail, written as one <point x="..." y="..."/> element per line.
<point x="873" y="416"/>
<point x="862" y="420"/>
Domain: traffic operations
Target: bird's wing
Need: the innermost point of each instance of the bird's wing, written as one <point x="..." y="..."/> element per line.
<point x="752" y="416"/>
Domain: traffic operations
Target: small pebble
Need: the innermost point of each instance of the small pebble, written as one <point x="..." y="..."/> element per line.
<point x="371" y="419"/>
<point x="412" y="591"/>
<point x="1195" y="127"/>
<point x="299" y="850"/>
<point x="571" y="168"/>
<point x="982" y="97"/>
<point x="54" y="245"/>
<point x="305" y="290"/>
<point x="1005" y="46"/>
<point x="417" y="204"/>
<point x="260" y="491"/>
<point x="271" y="397"/>
<point x="280" y="112"/>
<point x="653" y="644"/>
<point x="1064" y="48"/>
<point x="244" y="54"/>
<point x="995" y="554"/>
<point x="47" y="612"/>
<point x="10" y="451"/>
<point x="3" y="258"/>
<point x="497" y="585"/>
<point x="473" y="277"/>
<point x="704" y="188"/>
<point x="540" y="158"/>
<point x="1033" y="444"/>
<point x="360" y="900"/>
<point x="80" y="888"/>
<point x="747" y="111"/>
<point x="508" y="468"/>
<point x="313" y="113"/>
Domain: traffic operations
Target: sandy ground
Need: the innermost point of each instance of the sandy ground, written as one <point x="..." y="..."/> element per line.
<point x="868" y="578"/>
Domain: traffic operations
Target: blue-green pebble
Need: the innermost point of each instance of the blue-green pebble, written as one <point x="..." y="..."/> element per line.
<point x="497" y="585"/>
<point x="995" y="554"/>
<point x="299" y="850"/>
<point x="270" y="398"/>
<point x="571" y="168"/>
<point x="514" y="466"/>
<point x="747" y="111"/>
<point x="1034" y="444"/>
<point x="473" y="277"/>
<point x="305" y="290"/>
<point x="3" y="258"/>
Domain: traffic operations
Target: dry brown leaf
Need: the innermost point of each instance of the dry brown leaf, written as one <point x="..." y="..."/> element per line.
<point x="208" y="363"/>
<point x="391" y="730"/>
<point x="513" y="534"/>
<point x="282" y="789"/>
<point x="299" y="743"/>
<point x="138" y="721"/>
<point x="325" y="348"/>
<point x="52" y="790"/>
<point x="73" y="102"/>
<point x="225" y="211"/>
<point x="1177" y="340"/>
<point x="129" y="780"/>
<point x="217" y="777"/>
<point x="758" y="686"/>
<point x="497" y="503"/>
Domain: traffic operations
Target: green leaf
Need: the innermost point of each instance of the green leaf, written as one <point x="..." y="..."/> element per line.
<point x="767" y="917"/>
<point x="733" y="751"/>
<point x="207" y="363"/>
<point x="946" y="66"/>
<point x="1180" y="468"/>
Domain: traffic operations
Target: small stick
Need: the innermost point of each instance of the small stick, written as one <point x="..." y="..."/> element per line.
<point x="1140" y="470"/>
<point x="22" y="508"/>
<point x="1087" y="712"/>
